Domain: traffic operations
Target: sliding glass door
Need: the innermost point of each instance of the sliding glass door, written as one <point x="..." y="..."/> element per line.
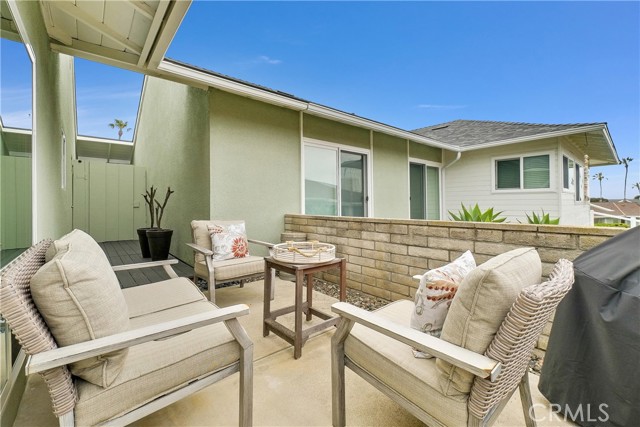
<point x="424" y="191"/>
<point x="335" y="181"/>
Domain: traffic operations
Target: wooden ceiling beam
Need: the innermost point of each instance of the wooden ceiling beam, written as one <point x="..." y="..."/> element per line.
<point x="156" y="24"/>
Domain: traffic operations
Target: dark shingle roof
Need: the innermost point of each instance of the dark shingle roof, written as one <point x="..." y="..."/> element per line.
<point x="466" y="133"/>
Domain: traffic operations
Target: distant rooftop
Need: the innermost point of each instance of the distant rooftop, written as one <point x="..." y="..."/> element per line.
<point x="467" y="133"/>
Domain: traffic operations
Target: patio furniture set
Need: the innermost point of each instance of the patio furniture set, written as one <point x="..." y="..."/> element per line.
<point x="93" y="342"/>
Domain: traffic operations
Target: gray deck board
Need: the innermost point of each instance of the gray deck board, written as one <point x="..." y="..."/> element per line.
<point x="128" y="252"/>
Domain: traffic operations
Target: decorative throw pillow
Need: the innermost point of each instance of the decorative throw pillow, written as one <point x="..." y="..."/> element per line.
<point x="80" y="299"/>
<point x="228" y="241"/>
<point x="433" y="298"/>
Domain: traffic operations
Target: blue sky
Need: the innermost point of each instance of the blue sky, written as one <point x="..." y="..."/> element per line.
<point x="412" y="64"/>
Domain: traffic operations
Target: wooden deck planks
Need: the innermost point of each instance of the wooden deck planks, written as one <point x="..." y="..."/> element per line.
<point x="128" y="252"/>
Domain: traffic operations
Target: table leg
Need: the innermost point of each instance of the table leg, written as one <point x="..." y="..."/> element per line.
<point x="309" y="295"/>
<point x="297" y="342"/>
<point x="343" y="280"/>
<point x="266" y="313"/>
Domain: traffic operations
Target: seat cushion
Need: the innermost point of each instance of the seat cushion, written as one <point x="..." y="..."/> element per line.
<point x="80" y="299"/>
<point x="230" y="269"/>
<point x="159" y="296"/>
<point x="480" y="306"/>
<point x="392" y="362"/>
<point x="152" y="369"/>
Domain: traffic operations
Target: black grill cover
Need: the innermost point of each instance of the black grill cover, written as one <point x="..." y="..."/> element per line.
<point x="593" y="356"/>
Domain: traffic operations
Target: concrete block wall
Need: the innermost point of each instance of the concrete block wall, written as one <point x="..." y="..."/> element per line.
<point x="383" y="254"/>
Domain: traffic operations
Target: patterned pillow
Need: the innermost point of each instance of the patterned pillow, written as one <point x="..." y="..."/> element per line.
<point x="433" y="298"/>
<point x="228" y="241"/>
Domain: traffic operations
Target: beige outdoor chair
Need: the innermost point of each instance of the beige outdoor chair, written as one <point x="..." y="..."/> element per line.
<point x="471" y="377"/>
<point x="218" y="272"/>
<point x="175" y="341"/>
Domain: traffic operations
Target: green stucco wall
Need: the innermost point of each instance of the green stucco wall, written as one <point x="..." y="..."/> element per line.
<point x="255" y="163"/>
<point x="336" y="132"/>
<point x="54" y="115"/>
<point x="172" y="143"/>
<point x="390" y="177"/>
<point x="425" y="152"/>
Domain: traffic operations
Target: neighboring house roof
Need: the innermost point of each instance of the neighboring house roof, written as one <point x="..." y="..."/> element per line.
<point x="618" y="208"/>
<point x="590" y="138"/>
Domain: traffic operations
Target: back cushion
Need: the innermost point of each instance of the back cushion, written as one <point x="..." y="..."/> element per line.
<point x="479" y="307"/>
<point x="80" y="298"/>
<point x="202" y="235"/>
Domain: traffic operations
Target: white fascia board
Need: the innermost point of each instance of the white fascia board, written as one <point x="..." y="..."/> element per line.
<point x="16" y="130"/>
<point x="533" y="137"/>
<point x="226" y="85"/>
<point x="201" y="77"/>
<point x="81" y="138"/>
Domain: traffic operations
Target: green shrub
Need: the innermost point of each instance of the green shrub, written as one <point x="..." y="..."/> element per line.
<point x="474" y="214"/>
<point x="542" y="219"/>
<point x="616" y="225"/>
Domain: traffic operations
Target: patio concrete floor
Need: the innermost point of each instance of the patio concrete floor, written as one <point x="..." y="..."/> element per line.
<point x="287" y="392"/>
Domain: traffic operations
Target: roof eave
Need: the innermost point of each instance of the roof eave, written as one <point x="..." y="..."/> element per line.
<point x="565" y="132"/>
<point x="200" y="77"/>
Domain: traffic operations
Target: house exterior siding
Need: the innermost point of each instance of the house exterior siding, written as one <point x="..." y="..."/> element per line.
<point x="255" y="163"/>
<point x="470" y="181"/>
<point x="172" y="143"/>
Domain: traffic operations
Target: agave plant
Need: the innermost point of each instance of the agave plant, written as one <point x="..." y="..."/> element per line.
<point x="474" y="214"/>
<point x="542" y="219"/>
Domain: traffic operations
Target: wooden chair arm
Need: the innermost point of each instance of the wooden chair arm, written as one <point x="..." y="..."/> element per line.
<point x="144" y="265"/>
<point x="475" y="363"/>
<point x="166" y="264"/>
<point x="64" y="355"/>
<point x="260" y="242"/>
<point x="200" y="249"/>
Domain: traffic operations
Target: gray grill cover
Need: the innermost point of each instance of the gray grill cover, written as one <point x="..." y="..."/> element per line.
<point x="593" y="357"/>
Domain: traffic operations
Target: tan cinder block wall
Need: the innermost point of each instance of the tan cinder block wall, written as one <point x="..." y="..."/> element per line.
<point x="383" y="254"/>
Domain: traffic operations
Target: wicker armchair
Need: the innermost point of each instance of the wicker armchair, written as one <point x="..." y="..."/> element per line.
<point x="377" y="347"/>
<point x="176" y="344"/>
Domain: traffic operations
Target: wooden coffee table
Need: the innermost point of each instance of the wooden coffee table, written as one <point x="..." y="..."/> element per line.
<point x="299" y="336"/>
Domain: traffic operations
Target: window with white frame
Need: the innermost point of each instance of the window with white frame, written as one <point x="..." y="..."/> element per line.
<point x="523" y="173"/>
<point x="335" y="180"/>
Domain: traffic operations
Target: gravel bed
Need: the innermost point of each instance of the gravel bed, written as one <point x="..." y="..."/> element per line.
<point x="355" y="297"/>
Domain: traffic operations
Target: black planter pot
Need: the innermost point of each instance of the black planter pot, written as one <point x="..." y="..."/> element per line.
<point x="159" y="243"/>
<point x="144" y="243"/>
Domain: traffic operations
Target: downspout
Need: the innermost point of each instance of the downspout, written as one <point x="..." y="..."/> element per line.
<point x="442" y="192"/>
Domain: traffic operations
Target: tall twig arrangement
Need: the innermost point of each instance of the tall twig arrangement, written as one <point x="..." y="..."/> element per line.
<point x="160" y="207"/>
<point x="156" y="209"/>
<point x="149" y="198"/>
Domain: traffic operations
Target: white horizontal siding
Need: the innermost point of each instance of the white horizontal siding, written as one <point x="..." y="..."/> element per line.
<point x="572" y="212"/>
<point x="469" y="181"/>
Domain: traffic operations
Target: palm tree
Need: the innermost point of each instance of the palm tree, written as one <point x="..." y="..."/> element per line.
<point x="121" y="124"/>
<point x="599" y="176"/>
<point x="626" y="162"/>
<point x="636" y="186"/>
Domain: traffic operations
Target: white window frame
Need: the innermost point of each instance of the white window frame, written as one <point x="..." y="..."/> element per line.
<point x="572" y="174"/>
<point x="440" y="187"/>
<point x="494" y="173"/>
<point x="338" y="148"/>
